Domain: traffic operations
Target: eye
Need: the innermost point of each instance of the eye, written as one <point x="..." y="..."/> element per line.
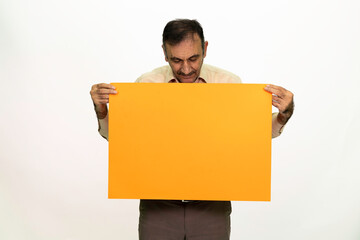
<point x="193" y="59"/>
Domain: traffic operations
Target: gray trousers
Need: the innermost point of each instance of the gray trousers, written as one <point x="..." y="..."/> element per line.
<point x="177" y="220"/>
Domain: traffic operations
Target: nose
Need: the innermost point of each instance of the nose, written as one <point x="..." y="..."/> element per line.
<point x="186" y="68"/>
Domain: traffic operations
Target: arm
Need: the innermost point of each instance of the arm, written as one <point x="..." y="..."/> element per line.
<point x="100" y="97"/>
<point x="283" y="100"/>
<point x="277" y="128"/>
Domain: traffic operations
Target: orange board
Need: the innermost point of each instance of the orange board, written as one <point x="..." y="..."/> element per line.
<point x="190" y="142"/>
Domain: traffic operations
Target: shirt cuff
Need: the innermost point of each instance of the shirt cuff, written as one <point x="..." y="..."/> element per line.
<point x="104" y="127"/>
<point x="277" y="128"/>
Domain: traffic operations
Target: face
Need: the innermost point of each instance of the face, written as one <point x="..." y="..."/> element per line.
<point x="186" y="58"/>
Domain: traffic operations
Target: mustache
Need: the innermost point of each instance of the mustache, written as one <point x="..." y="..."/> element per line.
<point x="186" y="75"/>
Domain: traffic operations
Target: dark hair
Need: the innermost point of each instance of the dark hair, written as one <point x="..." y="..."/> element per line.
<point x="177" y="30"/>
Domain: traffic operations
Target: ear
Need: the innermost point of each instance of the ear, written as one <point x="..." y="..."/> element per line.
<point x="205" y="47"/>
<point x="164" y="51"/>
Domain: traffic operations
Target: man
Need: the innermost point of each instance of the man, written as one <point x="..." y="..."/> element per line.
<point x="184" y="49"/>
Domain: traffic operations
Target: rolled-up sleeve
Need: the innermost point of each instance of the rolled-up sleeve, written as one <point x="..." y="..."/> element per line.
<point x="104" y="127"/>
<point x="277" y="128"/>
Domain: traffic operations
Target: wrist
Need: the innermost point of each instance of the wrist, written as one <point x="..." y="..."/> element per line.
<point x="281" y="118"/>
<point x="101" y="111"/>
<point x="285" y="115"/>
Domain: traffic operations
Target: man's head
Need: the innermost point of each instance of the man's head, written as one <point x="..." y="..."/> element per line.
<point x="184" y="48"/>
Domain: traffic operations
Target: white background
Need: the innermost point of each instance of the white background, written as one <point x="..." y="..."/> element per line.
<point x="53" y="163"/>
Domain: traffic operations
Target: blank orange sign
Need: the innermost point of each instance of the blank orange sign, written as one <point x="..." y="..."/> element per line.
<point x="190" y="141"/>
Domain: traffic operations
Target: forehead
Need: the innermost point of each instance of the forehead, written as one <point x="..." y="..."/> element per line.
<point x="188" y="47"/>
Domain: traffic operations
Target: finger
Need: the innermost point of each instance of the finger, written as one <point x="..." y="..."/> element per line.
<point x="275" y="87"/>
<point x="283" y="105"/>
<point x="279" y="105"/>
<point x="100" y="85"/>
<point x="276" y="104"/>
<point x="105" y="91"/>
<point x="276" y="99"/>
<point x="105" y="85"/>
<point x="103" y="96"/>
<point x="280" y="92"/>
<point x="103" y="101"/>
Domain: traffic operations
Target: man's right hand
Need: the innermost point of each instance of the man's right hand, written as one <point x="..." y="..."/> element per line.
<point x="100" y="97"/>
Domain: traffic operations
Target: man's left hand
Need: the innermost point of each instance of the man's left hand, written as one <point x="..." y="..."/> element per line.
<point x="283" y="100"/>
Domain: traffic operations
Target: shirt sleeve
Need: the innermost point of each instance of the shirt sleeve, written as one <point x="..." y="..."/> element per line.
<point x="277" y="128"/>
<point x="104" y="127"/>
